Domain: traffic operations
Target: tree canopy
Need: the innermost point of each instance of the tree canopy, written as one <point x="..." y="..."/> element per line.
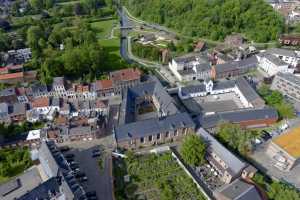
<point x="235" y="137"/>
<point x="214" y="19"/>
<point x="275" y="99"/>
<point x="193" y="150"/>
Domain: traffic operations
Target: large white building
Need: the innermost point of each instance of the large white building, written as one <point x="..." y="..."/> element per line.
<point x="249" y="98"/>
<point x="190" y="67"/>
<point x="290" y="57"/>
<point x="271" y="64"/>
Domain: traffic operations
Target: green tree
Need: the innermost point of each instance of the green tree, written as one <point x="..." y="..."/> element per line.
<point x="193" y="150"/>
<point x="235" y="137"/>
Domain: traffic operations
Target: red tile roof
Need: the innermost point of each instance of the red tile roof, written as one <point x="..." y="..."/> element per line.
<point x="18" y="75"/>
<point x="41" y="102"/>
<point x="125" y="75"/>
<point x="104" y="84"/>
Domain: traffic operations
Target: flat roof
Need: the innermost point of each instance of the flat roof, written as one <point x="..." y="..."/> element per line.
<point x="290" y="142"/>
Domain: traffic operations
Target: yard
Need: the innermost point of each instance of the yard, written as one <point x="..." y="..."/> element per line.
<point x="153" y="177"/>
<point x="103" y="28"/>
<point x="13" y="162"/>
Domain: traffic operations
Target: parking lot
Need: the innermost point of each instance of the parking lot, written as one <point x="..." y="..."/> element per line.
<point x="99" y="179"/>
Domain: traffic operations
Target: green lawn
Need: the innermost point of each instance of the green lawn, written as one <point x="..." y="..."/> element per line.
<point x="68" y="2"/>
<point x="104" y="27"/>
<point x="112" y="45"/>
<point x="153" y="177"/>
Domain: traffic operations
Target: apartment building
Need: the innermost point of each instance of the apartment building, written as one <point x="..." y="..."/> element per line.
<point x="288" y="84"/>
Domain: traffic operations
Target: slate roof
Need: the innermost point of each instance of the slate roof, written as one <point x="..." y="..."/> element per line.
<point x="211" y="121"/>
<point x="279" y="51"/>
<point x="248" y="92"/>
<point x="187" y="58"/>
<point x="58" y="81"/>
<point x="275" y="60"/>
<point x="153" y="126"/>
<point x="43" y="191"/>
<point x="151" y="88"/>
<point x="36" y="89"/>
<point x="7" y="92"/>
<point x="250" y="62"/>
<point x="18" y="109"/>
<point x="289" y="77"/>
<point x="20" y="185"/>
<point x="193" y="89"/>
<point x="240" y="190"/>
<point x="235" y="165"/>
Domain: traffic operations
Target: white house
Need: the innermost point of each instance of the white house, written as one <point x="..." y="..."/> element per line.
<point x="271" y="64"/>
<point x="288" y="56"/>
<point x="190" y="67"/>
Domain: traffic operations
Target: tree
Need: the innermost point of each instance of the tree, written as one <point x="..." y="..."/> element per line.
<point x="34" y="34"/>
<point x="235" y="137"/>
<point x="275" y="98"/>
<point x="285" y="110"/>
<point x="36" y="4"/>
<point x="193" y="150"/>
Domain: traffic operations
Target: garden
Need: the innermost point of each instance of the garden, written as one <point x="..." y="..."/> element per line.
<point x="13" y="162"/>
<point x="153" y="177"/>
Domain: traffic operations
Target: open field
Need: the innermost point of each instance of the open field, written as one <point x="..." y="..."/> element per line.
<point x="104" y="27"/>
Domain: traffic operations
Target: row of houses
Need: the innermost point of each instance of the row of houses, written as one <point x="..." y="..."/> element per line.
<point x="199" y="67"/>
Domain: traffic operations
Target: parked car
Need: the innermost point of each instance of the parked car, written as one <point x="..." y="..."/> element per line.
<point x="91" y="194"/>
<point x="96" y="154"/>
<point x="266" y="135"/>
<point x="70" y="155"/>
<point x="83" y="179"/>
<point x="64" y="148"/>
<point x="79" y="174"/>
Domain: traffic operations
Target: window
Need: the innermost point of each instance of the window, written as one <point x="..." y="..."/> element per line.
<point x="142" y="140"/>
<point x="150" y="138"/>
<point x="175" y="133"/>
<point x="158" y="136"/>
<point x="167" y="134"/>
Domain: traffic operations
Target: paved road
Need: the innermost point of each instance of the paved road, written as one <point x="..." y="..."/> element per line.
<point x="98" y="180"/>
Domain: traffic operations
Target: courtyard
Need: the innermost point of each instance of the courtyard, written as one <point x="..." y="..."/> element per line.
<point x="213" y="103"/>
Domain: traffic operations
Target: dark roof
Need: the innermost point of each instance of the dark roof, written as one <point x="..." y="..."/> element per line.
<point x="246" y="89"/>
<point x="58" y="81"/>
<point x="234" y="65"/>
<point x="234" y="164"/>
<point x="193" y="89"/>
<point x="211" y="121"/>
<point x="240" y="190"/>
<point x="43" y="191"/>
<point x="289" y="77"/>
<point x="150" y="88"/>
<point x="153" y="126"/>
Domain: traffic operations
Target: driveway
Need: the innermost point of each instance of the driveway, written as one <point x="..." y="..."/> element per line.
<point x="99" y="180"/>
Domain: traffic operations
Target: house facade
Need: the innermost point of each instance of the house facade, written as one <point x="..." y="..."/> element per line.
<point x="190" y="67"/>
<point x="288" y="84"/>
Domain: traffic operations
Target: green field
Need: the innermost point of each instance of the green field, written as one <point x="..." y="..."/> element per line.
<point x="112" y="45"/>
<point x="104" y="27"/>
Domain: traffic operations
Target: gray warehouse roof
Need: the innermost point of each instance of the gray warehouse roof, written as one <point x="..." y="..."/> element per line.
<point x="284" y="52"/>
<point x="153" y="126"/>
<point x="234" y="65"/>
<point x="290" y="77"/>
<point x="240" y="190"/>
<point x="211" y="121"/>
<point x="249" y="93"/>
<point x="234" y="163"/>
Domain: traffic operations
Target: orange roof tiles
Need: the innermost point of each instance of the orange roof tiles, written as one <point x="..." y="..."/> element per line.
<point x="104" y="84"/>
<point x="11" y="76"/>
<point x="41" y="102"/>
<point x="125" y="75"/>
<point x="290" y="142"/>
